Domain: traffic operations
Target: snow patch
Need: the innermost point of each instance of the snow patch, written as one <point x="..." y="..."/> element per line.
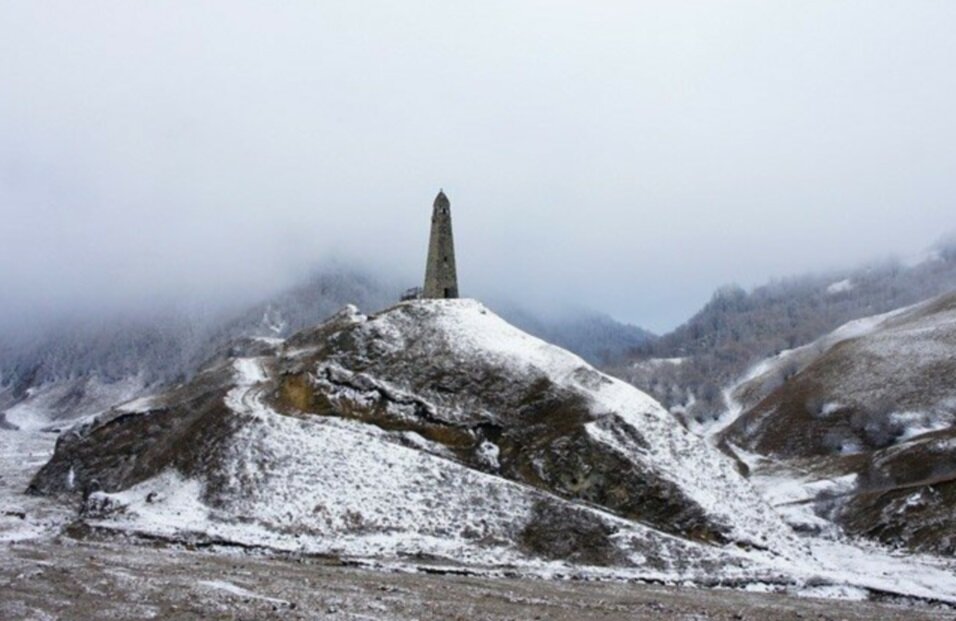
<point x="830" y="408"/>
<point x="841" y="591"/>
<point x="166" y="504"/>
<point x="488" y="454"/>
<point x="228" y="587"/>
<point x="659" y="362"/>
<point x="248" y="371"/>
<point x="841" y="286"/>
<point x="915" y="424"/>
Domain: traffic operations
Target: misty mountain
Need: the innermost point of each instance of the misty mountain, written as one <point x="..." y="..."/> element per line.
<point x="79" y="366"/>
<point x="169" y="344"/>
<point x="687" y="369"/>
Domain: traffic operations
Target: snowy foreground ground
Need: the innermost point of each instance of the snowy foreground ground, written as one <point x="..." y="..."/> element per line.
<point x="70" y="580"/>
<point x="49" y="570"/>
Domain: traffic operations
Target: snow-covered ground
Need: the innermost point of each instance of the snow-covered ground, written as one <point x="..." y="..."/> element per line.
<point x="24" y="517"/>
<point x="322" y="485"/>
<point x="121" y="580"/>
<point x="853" y="562"/>
<point x="841" y="286"/>
<point x="834" y="568"/>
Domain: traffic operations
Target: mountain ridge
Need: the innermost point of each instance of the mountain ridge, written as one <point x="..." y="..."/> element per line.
<point x="689" y="368"/>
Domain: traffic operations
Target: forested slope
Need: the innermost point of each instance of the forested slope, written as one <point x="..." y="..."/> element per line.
<point x="688" y="368"/>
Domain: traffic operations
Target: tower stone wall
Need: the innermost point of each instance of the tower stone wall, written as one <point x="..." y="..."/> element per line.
<point x="441" y="278"/>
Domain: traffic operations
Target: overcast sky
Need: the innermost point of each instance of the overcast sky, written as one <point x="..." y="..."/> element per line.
<point x="627" y="156"/>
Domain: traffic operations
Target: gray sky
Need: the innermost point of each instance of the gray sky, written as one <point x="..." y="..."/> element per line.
<point x="628" y="156"/>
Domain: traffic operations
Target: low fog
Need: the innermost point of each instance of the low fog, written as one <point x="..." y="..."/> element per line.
<point x="628" y="157"/>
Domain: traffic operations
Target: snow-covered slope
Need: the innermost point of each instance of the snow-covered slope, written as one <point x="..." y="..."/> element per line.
<point x="865" y="416"/>
<point x="871" y="383"/>
<point x="436" y="432"/>
<point x="60" y="403"/>
<point x="449" y="385"/>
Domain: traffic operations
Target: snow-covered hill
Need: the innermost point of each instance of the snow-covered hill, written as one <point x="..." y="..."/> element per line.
<point x="872" y="405"/>
<point x="435" y="432"/>
<point x="871" y="383"/>
<point x="365" y="424"/>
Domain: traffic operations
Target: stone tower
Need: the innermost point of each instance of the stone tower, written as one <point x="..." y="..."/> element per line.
<point x="441" y="279"/>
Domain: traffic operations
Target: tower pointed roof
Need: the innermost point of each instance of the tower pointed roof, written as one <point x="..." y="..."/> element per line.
<point x="441" y="200"/>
